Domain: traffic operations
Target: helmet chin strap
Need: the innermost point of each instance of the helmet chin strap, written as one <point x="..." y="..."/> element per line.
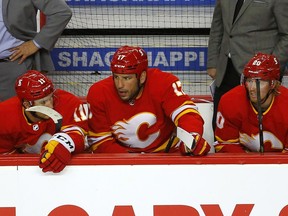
<point x="263" y="100"/>
<point x="266" y="97"/>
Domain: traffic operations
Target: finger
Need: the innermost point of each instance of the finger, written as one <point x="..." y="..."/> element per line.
<point x="45" y="156"/>
<point x="14" y="48"/>
<point x="50" y="165"/>
<point x="47" y="169"/>
<point x="22" y="59"/>
<point x="55" y="164"/>
<point x="59" y="169"/>
<point x="15" y="56"/>
<point x="47" y="162"/>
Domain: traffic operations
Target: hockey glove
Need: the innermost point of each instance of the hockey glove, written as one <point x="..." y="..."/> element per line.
<point x="57" y="153"/>
<point x="199" y="147"/>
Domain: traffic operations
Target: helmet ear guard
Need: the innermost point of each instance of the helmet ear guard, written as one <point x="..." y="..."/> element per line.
<point x="272" y="84"/>
<point x="33" y="85"/>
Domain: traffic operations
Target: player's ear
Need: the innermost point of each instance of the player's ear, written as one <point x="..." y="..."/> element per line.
<point x="272" y="84"/>
<point x="143" y="77"/>
<point x="26" y="104"/>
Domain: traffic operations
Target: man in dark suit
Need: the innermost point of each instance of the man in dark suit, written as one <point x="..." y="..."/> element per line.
<point x="21" y="46"/>
<point x="259" y="26"/>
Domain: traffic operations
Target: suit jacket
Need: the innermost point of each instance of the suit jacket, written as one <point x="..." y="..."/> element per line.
<point x="19" y="17"/>
<point x="261" y="26"/>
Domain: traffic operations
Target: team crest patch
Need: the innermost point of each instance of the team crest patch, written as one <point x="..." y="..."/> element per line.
<point x="35" y="127"/>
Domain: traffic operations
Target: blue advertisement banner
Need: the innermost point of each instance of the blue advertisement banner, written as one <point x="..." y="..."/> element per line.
<point x="141" y="2"/>
<point x="184" y="59"/>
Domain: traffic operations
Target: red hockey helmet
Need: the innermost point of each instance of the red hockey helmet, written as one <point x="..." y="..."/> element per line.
<point x="129" y="60"/>
<point x="263" y="66"/>
<point x="33" y="85"/>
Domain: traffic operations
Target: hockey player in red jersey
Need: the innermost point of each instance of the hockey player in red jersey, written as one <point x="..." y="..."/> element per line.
<point x="22" y="131"/>
<point x="237" y="126"/>
<point x="136" y="109"/>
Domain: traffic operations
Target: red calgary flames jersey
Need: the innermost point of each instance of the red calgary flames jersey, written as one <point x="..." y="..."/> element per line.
<point x="16" y="133"/>
<point x="237" y="122"/>
<point x="145" y="125"/>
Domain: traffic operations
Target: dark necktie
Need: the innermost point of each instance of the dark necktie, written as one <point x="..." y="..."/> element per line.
<point x="237" y="8"/>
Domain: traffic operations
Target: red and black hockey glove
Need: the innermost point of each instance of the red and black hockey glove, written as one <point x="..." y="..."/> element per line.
<point x="200" y="146"/>
<point x="57" y="153"/>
